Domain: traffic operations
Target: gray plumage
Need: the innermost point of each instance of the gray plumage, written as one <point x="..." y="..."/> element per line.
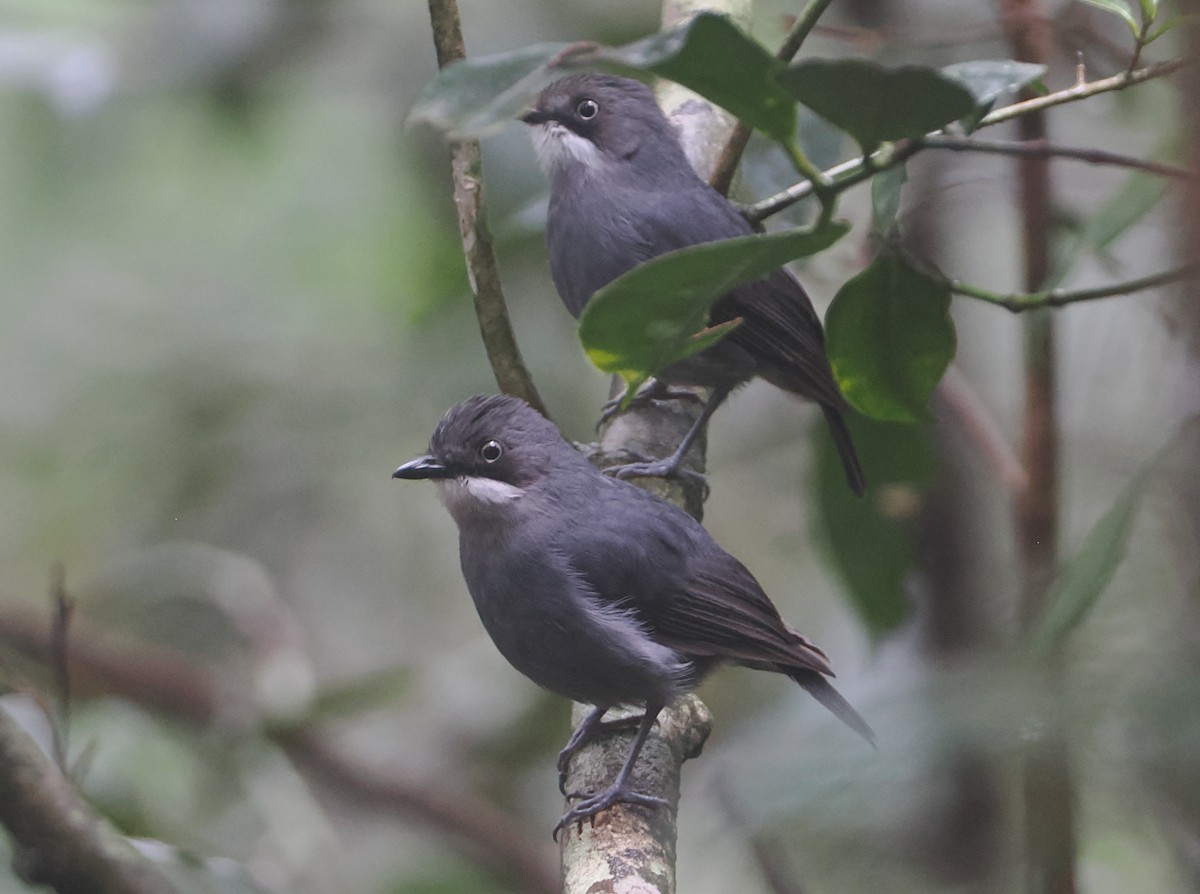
<point x="621" y="192"/>
<point x="594" y="588"/>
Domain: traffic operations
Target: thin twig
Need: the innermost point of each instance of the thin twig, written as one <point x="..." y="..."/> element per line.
<point x="851" y="173"/>
<point x="1020" y="302"/>
<point x="1046" y="149"/>
<point x="731" y="154"/>
<point x="466" y="163"/>
<point x="63" y="607"/>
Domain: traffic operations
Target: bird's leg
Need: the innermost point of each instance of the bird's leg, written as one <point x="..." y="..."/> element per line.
<point x="670" y="465"/>
<point x="617" y="792"/>
<point x="651" y="391"/>
<point x="584" y="733"/>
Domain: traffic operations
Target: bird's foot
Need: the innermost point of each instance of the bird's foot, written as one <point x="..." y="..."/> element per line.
<point x="644" y="467"/>
<point x="577" y="742"/>
<point x="592" y="804"/>
<point x="656" y="390"/>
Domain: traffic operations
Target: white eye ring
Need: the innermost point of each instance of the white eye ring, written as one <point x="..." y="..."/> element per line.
<point x="491" y="451"/>
<point x="587" y="109"/>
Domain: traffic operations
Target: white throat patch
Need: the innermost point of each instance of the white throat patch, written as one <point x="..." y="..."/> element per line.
<point x="475" y="493"/>
<point x="557" y="146"/>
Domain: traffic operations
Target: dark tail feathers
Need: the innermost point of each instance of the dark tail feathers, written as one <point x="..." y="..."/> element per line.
<point x="822" y="690"/>
<point x="845" y="448"/>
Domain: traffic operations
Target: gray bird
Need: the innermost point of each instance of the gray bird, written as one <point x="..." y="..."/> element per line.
<point x="622" y="192"/>
<point x="594" y="588"/>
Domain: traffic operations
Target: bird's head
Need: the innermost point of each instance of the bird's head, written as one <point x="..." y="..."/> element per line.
<point x="487" y="452"/>
<point x="592" y="123"/>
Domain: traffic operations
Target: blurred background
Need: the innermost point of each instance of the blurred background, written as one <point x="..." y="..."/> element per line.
<point x="233" y="299"/>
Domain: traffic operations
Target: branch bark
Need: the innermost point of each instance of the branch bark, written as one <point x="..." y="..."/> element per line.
<point x="628" y="848"/>
<point x="57" y="838"/>
<point x="483" y="271"/>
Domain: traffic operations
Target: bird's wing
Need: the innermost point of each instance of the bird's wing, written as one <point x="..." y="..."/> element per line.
<point x="721" y="612"/>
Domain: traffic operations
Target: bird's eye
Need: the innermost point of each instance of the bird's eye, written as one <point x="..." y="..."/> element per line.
<point x="587" y="109"/>
<point x="491" y="451"/>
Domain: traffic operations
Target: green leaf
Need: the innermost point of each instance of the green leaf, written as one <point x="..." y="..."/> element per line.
<point x="712" y="56"/>
<point x="657" y="313"/>
<point x="1086" y="577"/>
<point x="708" y="54"/>
<point x="885" y="197"/>
<point x="890" y="338"/>
<point x="1149" y="10"/>
<point x="991" y="81"/>
<point x="876" y="104"/>
<point x="476" y="96"/>
<point x="869" y="540"/>
<point x="1119" y="9"/>
<point x="1170" y="24"/>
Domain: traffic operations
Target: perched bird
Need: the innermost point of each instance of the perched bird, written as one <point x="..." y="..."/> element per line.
<point x="594" y="588"/>
<point x="622" y="192"/>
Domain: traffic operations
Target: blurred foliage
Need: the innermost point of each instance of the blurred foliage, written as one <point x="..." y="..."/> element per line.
<point x="234" y="298"/>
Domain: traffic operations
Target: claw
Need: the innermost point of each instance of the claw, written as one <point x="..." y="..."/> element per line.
<point x="594" y="804"/>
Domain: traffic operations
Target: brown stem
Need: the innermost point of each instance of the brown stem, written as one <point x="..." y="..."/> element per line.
<point x="1045" y="149"/>
<point x="1048" y="791"/>
<point x="483" y="271"/>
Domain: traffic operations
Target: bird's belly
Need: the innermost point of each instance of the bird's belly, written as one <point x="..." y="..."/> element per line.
<point x="563" y="649"/>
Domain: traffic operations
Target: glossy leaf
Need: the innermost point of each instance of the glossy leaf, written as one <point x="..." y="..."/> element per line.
<point x="1171" y="24"/>
<point x="876" y="104"/>
<point x="1119" y="9"/>
<point x="869" y="539"/>
<point x="657" y="313"/>
<point x="991" y="81"/>
<point x="890" y="338"/>
<point x="708" y="54"/>
<point x="476" y="96"/>
<point x="886" y="187"/>
<point x="1086" y="577"/>
<point x="715" y="58"/>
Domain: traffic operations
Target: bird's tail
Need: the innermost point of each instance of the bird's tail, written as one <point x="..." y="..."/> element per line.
<point x="822" y="690"/>
<point x="845" y="448"/>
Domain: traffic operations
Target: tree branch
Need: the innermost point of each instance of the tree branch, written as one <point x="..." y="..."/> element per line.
<point x="57" y="838"/>
<point x="1045" y="149"/>
<point x="856" y="171"/>
<point x="483" y="271"/>
<point x="163" y="681"/>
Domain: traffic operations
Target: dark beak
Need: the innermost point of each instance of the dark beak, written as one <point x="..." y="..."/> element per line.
<point x="422" y="467"/>
<point x="536" y="116"/>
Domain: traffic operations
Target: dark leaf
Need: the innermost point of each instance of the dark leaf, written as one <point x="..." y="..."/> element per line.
<point x="890" y="338"/>
<point x="719" y="61"/>
<point x="657" y="313"/>
<point x="475" y="96"/>
<point x="870" y="539"/>
<point x="885" y="197"/>
<point x="992" y="81"/>
<point x="876" y="104"/>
